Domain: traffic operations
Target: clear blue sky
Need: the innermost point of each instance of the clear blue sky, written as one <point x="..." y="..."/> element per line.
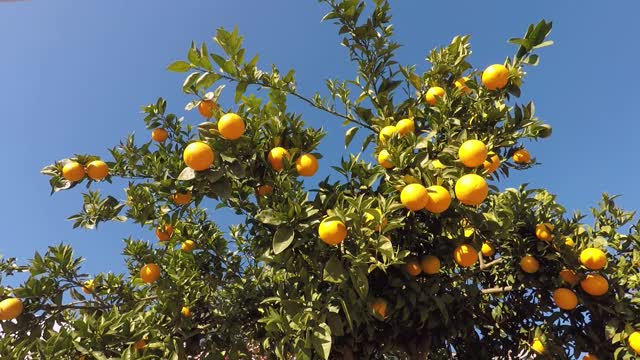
<point x="73" y="75"/>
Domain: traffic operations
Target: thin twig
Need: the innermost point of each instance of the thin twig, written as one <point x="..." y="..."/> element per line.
<point x="496" y="290"/>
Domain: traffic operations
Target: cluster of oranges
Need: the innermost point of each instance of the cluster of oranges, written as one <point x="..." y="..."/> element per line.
<point x="96" y="170"/>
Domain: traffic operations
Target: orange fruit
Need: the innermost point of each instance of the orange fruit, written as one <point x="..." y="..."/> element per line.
<point x="529" y="264"/>
<point x="634" y="341"/>
<point x="565" y="299"/>
<point x="186" y="312"/>
<point x="487" y="250"/>
<point x="537" y="346"/>
<point x="471" y="189"/>
<point x="150" y="273"/>
<point x="405" y="126"/>
<point x="414" y="197"/>
<point x="370" y="218"/>
<point x="306" y="165"/>
<point x="383" y="159"/>
<point x="198" y="156"/>
<point x="10" y="308"/>
<point x="569" y="276"/>
<point x="594" y="284"/>
<point x="439" y="199"/>
<point x="430" y="265"/>
<point x="264" y="190"/>
<point x="437" y="164"/>
<point x="159" y="135"/>
<point x="97" y="170"/>
<point x="276" y="158"/>
<point x="434" y="94"/>
<point x="472" y="153"/>
<point x="87" y="287"/>
<point x="166" y="234"/>
<point x="492" y="163"/>
<point x="521" y="156"/>
<point x="544" y="232"/>
<point x="379" y="307"/>
<point x="73" y="171"/>
<point x="332" y="232"/>
<point x="465" y="255"/>
<point x="188" y="246"/>
<point x="140" y="344"/>
<point x="590" y="356"/>
<point x="231" y="126"/>
<point x="207" y="107"/>
<point x="461" y="84"/>
<point x="386" y="133"/>
<point x="181" y="198"/>
<point x="592" y="258"/>
<point x="495" y="77"/>
<point x="412" y="266"/>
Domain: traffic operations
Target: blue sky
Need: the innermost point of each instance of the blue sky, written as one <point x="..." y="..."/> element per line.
<point x="73" y="76"/>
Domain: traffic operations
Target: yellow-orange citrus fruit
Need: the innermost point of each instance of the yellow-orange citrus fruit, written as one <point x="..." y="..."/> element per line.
<point x="495" y="77"/>
<point x="198" y="156"/>
<point x="188" y="246"/>
<point x="10" y="308"/>
<point x="521" y="156"/>
<point x="414" y="197"/>
<point x="73" y="171"/>
<point x="87" y="287"/>
<point x="569" y="276"/>
<point x="306" y="165"/>
<point x="276" y="158"/>
<point x="412" y="267"/>
<point x="634" y="341"/>
<point x="140" y="344"/>
<point x="159" y="135"/>
<point x="181" y="198"/>
<point x="383" y="159"/>
<point x="97" y="170"/>
<point x="386" y="133"/>
<point x="405" y="126"/>
<point x="544" y="232"/>
<point x="565" y="299"/>
<point x="430" y="265"/>
<point x="186" y="312"/>
<point x="471" y="189"/>
<point x="332" y="232"/>
<point x="492" y="163"/>
<point x="472" y="153"/>
<point x="379" y="307"/>
<point x="465" y="255"/>
<point x="461" y="84"/>
<point x="590" y="356"/>
<point x="207" y="107"/>
<point x="439" y="199"/>
<point x="164" y="235"/>
<point x="370" y="218"/>
<point x="537" y="346"/>
<point x="594" y="284"/>
<point x="231" y="126"/>
<point x="150" y="273"/>
<point x="264" y="190"/>
<point x="434" y="94"/>
<point x="529" y="264"/>
<point x="592" y="258"/>
<point x="487" y="250"/>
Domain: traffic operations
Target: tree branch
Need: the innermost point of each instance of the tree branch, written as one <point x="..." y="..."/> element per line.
<point x="496" y="290"/>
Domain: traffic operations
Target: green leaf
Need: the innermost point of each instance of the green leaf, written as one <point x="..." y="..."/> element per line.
<point x="179" y="66"/>
<point x="348" y="137"/>
<point x="270" y="217"/>
<point x="282" y="239"/>
<point x="322" y="340"/>
<point x="358" y="275"/>
<point x="240" y="89"/>
<point x="334" y="271"/>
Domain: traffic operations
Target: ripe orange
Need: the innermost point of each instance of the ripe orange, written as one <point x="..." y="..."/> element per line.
<point x="198" y="156"/>
<point x="487" y="250"/>
<point x="306" y="165"/>
<point x="386" y="133"/>
<point x="439" y="199"/>
<point x="97" y="170"/>
<point x="150" y="273"/>
<point x="414" y="197"/>
<point x="207" y="107"/>
<point x="181" y="198"/>
<point x="430" y="265"/>
<point x="186" y="312"/>
<point x="412" y="266"/>
<point x="10" y="308"/>
<point x="188" y="246"/>
<point x="529" y="264"/>
<point x="276" y="158"/>
<point x="590" y="356"/>
<point x="521" y="156"/>
<point x="569" y="276"/>
<point x="634" y="341"/>
<point x="87" y="287"/>
<point x="383" y="159"/>
<point x="465" y="255"/>
<point x="471" y="189"/>
<point x="231" y="126"/>
<point x="492" y="163"/>
<point x="405" y="126"/>
<point x="140" y="344"/>
<point x="537" y="346"/>
<point x="379" y="307"/>
<point x="332" y="232"/>
<point x="472" y="153"/>
<point x="73" y="171"/>
<point x="592" y="258"/>
<point x="565" y="299"/>
<point x="264" y="190"/>
<point x="495" y="77"/>
<point x="159" y="135"/>
<point x="594" y="284"/>
<point x="166" y="234"/>
<point x="434" y="94"/>
<point x="461" y="84"/>
<point x="544" y="232"/>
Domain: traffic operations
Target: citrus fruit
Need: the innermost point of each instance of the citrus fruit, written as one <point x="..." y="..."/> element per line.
<point x="471" y="189"/>
<point x="495" y="77"/>
<point x="159" y="135"/>
<point x="383" y="159"/>
<point x="306" y="165"/>
<point x="487" y="250"/>
<point x="150" y="273"/>
<point x="465" y="255"/>
<point x="565" y="299"/>
<point x="386" y="133"/>
<point x="97" y="170"/>
<point x="264" y="190"/>
<point x="590" y="356"/>
<point x="198" y="156"/>
<point x="439" y="199"/>
<point x="207" y="107"/>
<point x="592" y="258"/>
<point x="434" y="94"/>
<point x="73" y="171"/>
<point x="188" y="246"/>
<point x="472" y="153"/>
<point x="379" y="307"/>
<point x="461" y="84"/>
<point x="276" y="158"/>
<point x="492" y="163"/>
<point x="10" y="308"/>
<point x="537" y="346"/>
<point x="87" y="287"/>
<point x="231" y="126"/>
<point x="332" y="232"/>
<point x="569" y="276"/>
<point x="544" y="232"/>
<point x="405" y="126"/>
<point x="594" y="284"/>
<point x="140" y="344"/>
<point x="521" y="156"/>
<point x="430" y="265"/>
<point x="634" y="341"/>
<point x="164" y="235"/>
<point x="382" y="222"/>
<point x="181" y="198"/>
<point x="414" y="197"/>
<point x="529" y="264"/>
<point x="412" y="266"/>
<point x="186" y="312"/>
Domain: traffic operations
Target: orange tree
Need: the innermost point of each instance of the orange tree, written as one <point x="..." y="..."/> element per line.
<point x="415" y="254"/>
